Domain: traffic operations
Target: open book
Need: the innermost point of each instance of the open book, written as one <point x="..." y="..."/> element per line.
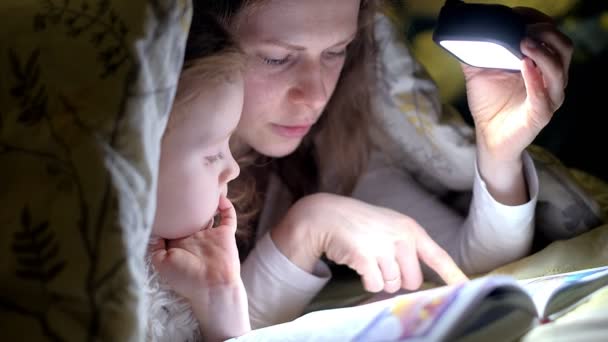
<point x="479" y="310"/>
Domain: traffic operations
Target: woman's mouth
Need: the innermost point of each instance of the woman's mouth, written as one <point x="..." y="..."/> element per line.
<point x="291" y="131"/>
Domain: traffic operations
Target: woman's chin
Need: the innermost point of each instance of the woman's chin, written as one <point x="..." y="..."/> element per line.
<point x="279" y="149"/>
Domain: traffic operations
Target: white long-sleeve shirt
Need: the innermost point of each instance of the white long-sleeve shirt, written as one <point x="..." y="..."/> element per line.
<point x="491" y="235"/>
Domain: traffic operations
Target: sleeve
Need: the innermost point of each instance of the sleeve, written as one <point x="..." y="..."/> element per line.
<point x="491" y="235"/>
<point x="277" y="290"/>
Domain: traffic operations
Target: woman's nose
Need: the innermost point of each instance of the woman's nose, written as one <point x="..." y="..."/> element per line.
<point x="309" y="87"/>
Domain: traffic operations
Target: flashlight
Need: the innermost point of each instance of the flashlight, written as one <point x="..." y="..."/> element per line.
<point x="481" y="35"/>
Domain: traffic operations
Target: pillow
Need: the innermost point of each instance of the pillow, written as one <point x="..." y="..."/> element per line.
<point x="85" y="93"/>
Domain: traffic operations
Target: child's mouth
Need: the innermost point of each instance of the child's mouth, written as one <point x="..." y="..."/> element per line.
<point x="215" y="220"/>
<point x="210" y="224"/>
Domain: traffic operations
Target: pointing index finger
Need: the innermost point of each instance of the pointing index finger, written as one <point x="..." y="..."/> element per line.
<point x="439" y="260"/>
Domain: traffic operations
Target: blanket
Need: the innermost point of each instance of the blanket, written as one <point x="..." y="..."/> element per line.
<point x="85" y="92"/>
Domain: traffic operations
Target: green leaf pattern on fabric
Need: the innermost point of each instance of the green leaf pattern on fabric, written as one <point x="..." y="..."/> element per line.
<point x="85" y="94"/>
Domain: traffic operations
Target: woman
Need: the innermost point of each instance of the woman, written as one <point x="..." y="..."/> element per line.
<point x="327" y="187"/>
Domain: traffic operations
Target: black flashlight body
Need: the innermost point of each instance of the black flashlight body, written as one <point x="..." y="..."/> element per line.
<point x="497" y="24"/>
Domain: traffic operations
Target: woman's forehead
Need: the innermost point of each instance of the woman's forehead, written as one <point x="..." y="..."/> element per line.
<point x="299" y="22"/>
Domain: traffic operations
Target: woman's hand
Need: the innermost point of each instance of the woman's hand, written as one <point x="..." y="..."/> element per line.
<point x="206" y="259"/>
<point x="511" y="108"/>
<point x="382" y="245"/>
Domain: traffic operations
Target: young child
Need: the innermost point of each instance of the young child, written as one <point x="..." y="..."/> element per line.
<point x="195" y="281"/>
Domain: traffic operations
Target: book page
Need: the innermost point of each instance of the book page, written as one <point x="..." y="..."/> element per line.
<point x="413" y="316"/>
<point x="416" y="314"/>
<point x="564" y="289"/>
<point x="420" y="316"/>
<point x="507" y="313"/>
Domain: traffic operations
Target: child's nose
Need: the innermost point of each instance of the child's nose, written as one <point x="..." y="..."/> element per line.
<point x="231" y="170"/>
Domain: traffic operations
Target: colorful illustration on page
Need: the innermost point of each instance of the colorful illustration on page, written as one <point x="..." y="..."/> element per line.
<point x="409" y="317"/>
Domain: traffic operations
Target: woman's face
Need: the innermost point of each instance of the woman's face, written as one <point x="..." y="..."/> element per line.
<point x="296" y="51"/>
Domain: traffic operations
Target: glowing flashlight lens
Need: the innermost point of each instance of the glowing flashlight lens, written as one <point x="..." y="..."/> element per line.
<point x="483" y="54"/>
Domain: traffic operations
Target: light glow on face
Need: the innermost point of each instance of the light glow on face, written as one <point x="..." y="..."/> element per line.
<point x="483" y="54"/>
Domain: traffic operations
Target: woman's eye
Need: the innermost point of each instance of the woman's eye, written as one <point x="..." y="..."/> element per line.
<point x="336" y="54"/>
<point x="275" y="61"/>
<point x="212" y="159"/>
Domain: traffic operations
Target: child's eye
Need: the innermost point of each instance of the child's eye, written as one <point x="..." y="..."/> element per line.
<point x="212" y="159"/>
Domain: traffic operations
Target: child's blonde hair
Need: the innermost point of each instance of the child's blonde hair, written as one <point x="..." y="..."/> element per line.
<point x="210" y="54"/>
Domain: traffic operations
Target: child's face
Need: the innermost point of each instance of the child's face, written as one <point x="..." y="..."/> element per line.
<point x="196" y="164"/>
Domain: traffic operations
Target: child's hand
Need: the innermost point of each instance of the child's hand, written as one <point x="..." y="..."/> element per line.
<point x="207" y="259"/>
